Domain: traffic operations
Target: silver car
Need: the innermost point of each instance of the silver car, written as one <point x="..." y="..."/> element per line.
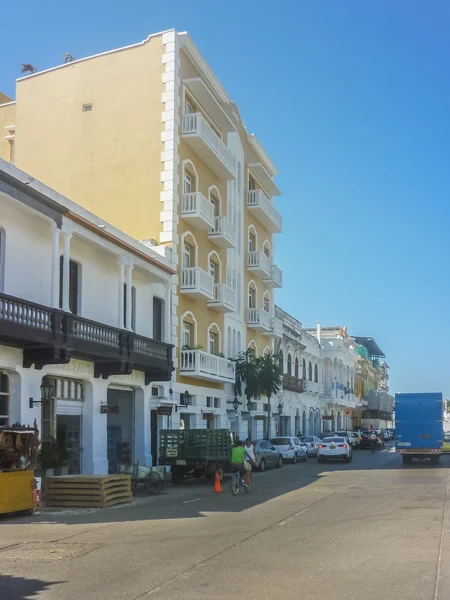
<point x="267" y="455"/>
<point x="311" y="441"/>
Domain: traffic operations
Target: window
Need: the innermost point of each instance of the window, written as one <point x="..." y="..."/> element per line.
<point x="251" y="297"/>
<point x="216" y="204"/>
<point x="281" y="361"/>
<point x="304" y="369"/>
<point x="158" y="318"/>
<point x="251" y="183"/>
<point x="267" y="303"/>
<point x="87" y="107"/>
<point x="4" y="399"/>
<point x="187" y="329"/>
<point x="133" y="307"/>
<point x="74" y="278"/>
<point x="310" y="371"/>
<point x="316" y="373"/>
<point x="296" y="368"/>
<point x="188" y="107"/>
<point x="188" y="185"/>
<point x="186" y="256"/>
<point x="212" y="343"/>
<point x="209" y="401"/>
<point x="2" y="259"/>
<point x="213" y="270"/>
<point x="289" y="364"/>
<point x="251" y="242"/>
<point x="267" y="250"/>
<point x="216" y="402"/>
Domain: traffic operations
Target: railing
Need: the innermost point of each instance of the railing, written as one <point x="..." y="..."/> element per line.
<point x="258" y="199"/>
<point x="258" y="260"/>
<point x="276" y="274"/>
<point x="90" y="331"/>
<point x="197" y="280"/>
<point x="21" y="312"/>
<point x="222" y="226"/>
<point x="195" y="123"/>
<point x="277" y="327"/>
<point x="294" y="384"/>
<point x="224" y="294"/>
<point x="259" y="317"/>
<point x="196" y="204"/>
<point x="213" y="367"/>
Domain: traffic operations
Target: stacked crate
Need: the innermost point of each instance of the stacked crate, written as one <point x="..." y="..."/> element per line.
<point x="88" y="491"/>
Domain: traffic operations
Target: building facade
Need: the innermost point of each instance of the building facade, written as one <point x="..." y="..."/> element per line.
<point x="86" y="308"/>
<point x="147" y="138"/>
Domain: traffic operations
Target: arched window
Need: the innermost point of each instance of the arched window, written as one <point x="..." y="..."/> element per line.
<point x="266" y="305"/>
<point x="296" y="367"/>
<point x="304" y="369"/>
<point x="289" y="364"/>
<point x="310" y="371"/>
<point x="281" y="361"/>
<point x="190" y="178"/>
<point x="316" y="373"/>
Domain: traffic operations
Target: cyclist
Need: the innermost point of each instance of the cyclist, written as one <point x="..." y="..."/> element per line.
<point x="239" y="457"/>
<point x="373" y="441"/>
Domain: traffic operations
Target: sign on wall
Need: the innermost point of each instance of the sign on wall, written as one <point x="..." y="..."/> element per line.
<point x="165" y="410"/>
<point x="109" y="409"/>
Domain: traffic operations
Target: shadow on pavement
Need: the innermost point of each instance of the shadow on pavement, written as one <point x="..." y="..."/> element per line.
<point x="195" y="498"/>
<point x="20" y="588"/>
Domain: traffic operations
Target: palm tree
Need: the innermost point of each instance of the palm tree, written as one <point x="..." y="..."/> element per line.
<point x="269" y="379"/>
<point x="27" y="68"/>
<point x="246" y="379"/>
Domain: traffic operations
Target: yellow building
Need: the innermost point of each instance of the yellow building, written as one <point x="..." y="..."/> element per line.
<point x="147" y="138"/>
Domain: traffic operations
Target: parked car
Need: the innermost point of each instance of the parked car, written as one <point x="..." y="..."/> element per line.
<point x="267" y="455"/>
<point x="291" y="448"/>
<point x="352" y="438"/>
<point x="366" y="442"/>
<point x="446" y="443"/>
<point x="336" y="447"/>
<point x="387" y="435"/>
<point x="311" y="441"/>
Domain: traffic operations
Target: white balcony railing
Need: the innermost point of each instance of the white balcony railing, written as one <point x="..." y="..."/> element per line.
<point x="223" y="232"/>
<point x="275" y="278"/>
<point x="197" y="282"/>
<point x="224" y="297"/>
<point x="197" y="208"/>
<point x="195" y="125"/>
<point x="258" y="318"/>
<point x="277" y="327"/>
<point x="264" y="210"/>
<point x="315" y="388"/>
<point x="258" y="261"/>
<point x="196" y="363"/>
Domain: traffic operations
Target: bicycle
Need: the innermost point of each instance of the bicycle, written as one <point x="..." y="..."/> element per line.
<point x="373" y="447"/>
<point x="237" y="482"/>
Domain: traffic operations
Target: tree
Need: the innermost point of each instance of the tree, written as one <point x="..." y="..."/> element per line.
<point x="246" y="379"/>
<point x="27" y="68"/>
<point x="269" y="380"/>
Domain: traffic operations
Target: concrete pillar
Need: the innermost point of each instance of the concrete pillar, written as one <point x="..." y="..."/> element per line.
<point x="66" y="272"/>
<point x="94" y="432"/>
<point x="142" y="451"/>
<point x="120" y="319"/>
<point x="55" y="268"/>
<point x="129" y="271"/>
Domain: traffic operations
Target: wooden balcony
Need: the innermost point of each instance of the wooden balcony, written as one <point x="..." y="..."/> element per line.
<point x="51" y="336"/>
<point x="293" y="384"/>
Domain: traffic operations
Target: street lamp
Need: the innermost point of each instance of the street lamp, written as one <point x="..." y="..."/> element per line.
<point x="280" y="409"/>
<point x="236" y="403"/>
<point x="186" y="398"/>
<point x="47" y="392"/>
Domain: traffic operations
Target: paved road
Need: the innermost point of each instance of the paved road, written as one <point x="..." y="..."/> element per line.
<point x="371" y="529"/>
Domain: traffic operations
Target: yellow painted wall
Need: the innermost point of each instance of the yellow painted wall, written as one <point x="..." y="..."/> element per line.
<point x="7" y="117"/>
<point x="109" y="159"/>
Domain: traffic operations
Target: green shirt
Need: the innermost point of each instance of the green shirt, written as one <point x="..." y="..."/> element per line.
<point x="238" y="454"/>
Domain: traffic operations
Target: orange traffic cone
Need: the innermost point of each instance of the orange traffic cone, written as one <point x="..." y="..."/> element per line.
<point x="217" y="486"/>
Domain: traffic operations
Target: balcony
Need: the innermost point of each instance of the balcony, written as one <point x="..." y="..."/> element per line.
<point x="259" y="319"/>
<point x="293" y="384"/>
<point x="195" y="363"/>
<point x="197" y="283"/>
<point x="51" y="336"/>
<point x="205" y="142"/>
<point x="313" y="387"/>
<point x="264" y="210"/>
<point x="224" y="298"/>
<point x="198" y="210"/>
<point x="276" y="328"/>
<point x="275" y="280"/>
<point x="259" y="263"/>
<point x="222" y="233"/>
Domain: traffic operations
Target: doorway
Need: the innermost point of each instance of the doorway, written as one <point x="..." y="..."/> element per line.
<point x="185" y="421"/>
<point x="120" y="427"/>
<point x="154" y="436"/>
<point x="68" y="435"/>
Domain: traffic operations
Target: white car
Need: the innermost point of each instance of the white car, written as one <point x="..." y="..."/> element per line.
<point x="311" y="441"/>
<point x="334" y="448"/>
<point x="291" y="448"/>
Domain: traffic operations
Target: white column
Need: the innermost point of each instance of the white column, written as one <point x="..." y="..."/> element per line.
<point x="66" y="272"/>
<point x="129" y="295"/>
<point x="95" y="459"/>
<point x="55" y="267"/>
<point x="120" y="318"/>
<point x="142" y="426"/>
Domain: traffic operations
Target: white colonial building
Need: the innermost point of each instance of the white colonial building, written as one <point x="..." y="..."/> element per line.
<point x="84" y="308"/>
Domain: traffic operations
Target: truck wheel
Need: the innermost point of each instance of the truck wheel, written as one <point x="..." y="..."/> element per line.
<point x="407" y="460"/>
<point x="198" y="473"/>
<point x="177" y="476"/>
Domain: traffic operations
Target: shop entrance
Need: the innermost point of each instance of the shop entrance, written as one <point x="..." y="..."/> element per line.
<point x="120" y="427"/>
<point x="68" y="435"/>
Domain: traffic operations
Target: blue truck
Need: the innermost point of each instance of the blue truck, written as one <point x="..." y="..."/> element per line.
<point x="419" y="421"/>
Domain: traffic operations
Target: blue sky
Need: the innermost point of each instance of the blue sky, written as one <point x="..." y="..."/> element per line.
<point x="351" y="100"/>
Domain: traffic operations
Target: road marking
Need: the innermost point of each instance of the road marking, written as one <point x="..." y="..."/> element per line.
<point x="441" y="542"/>
<point x="189" y="501"/>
